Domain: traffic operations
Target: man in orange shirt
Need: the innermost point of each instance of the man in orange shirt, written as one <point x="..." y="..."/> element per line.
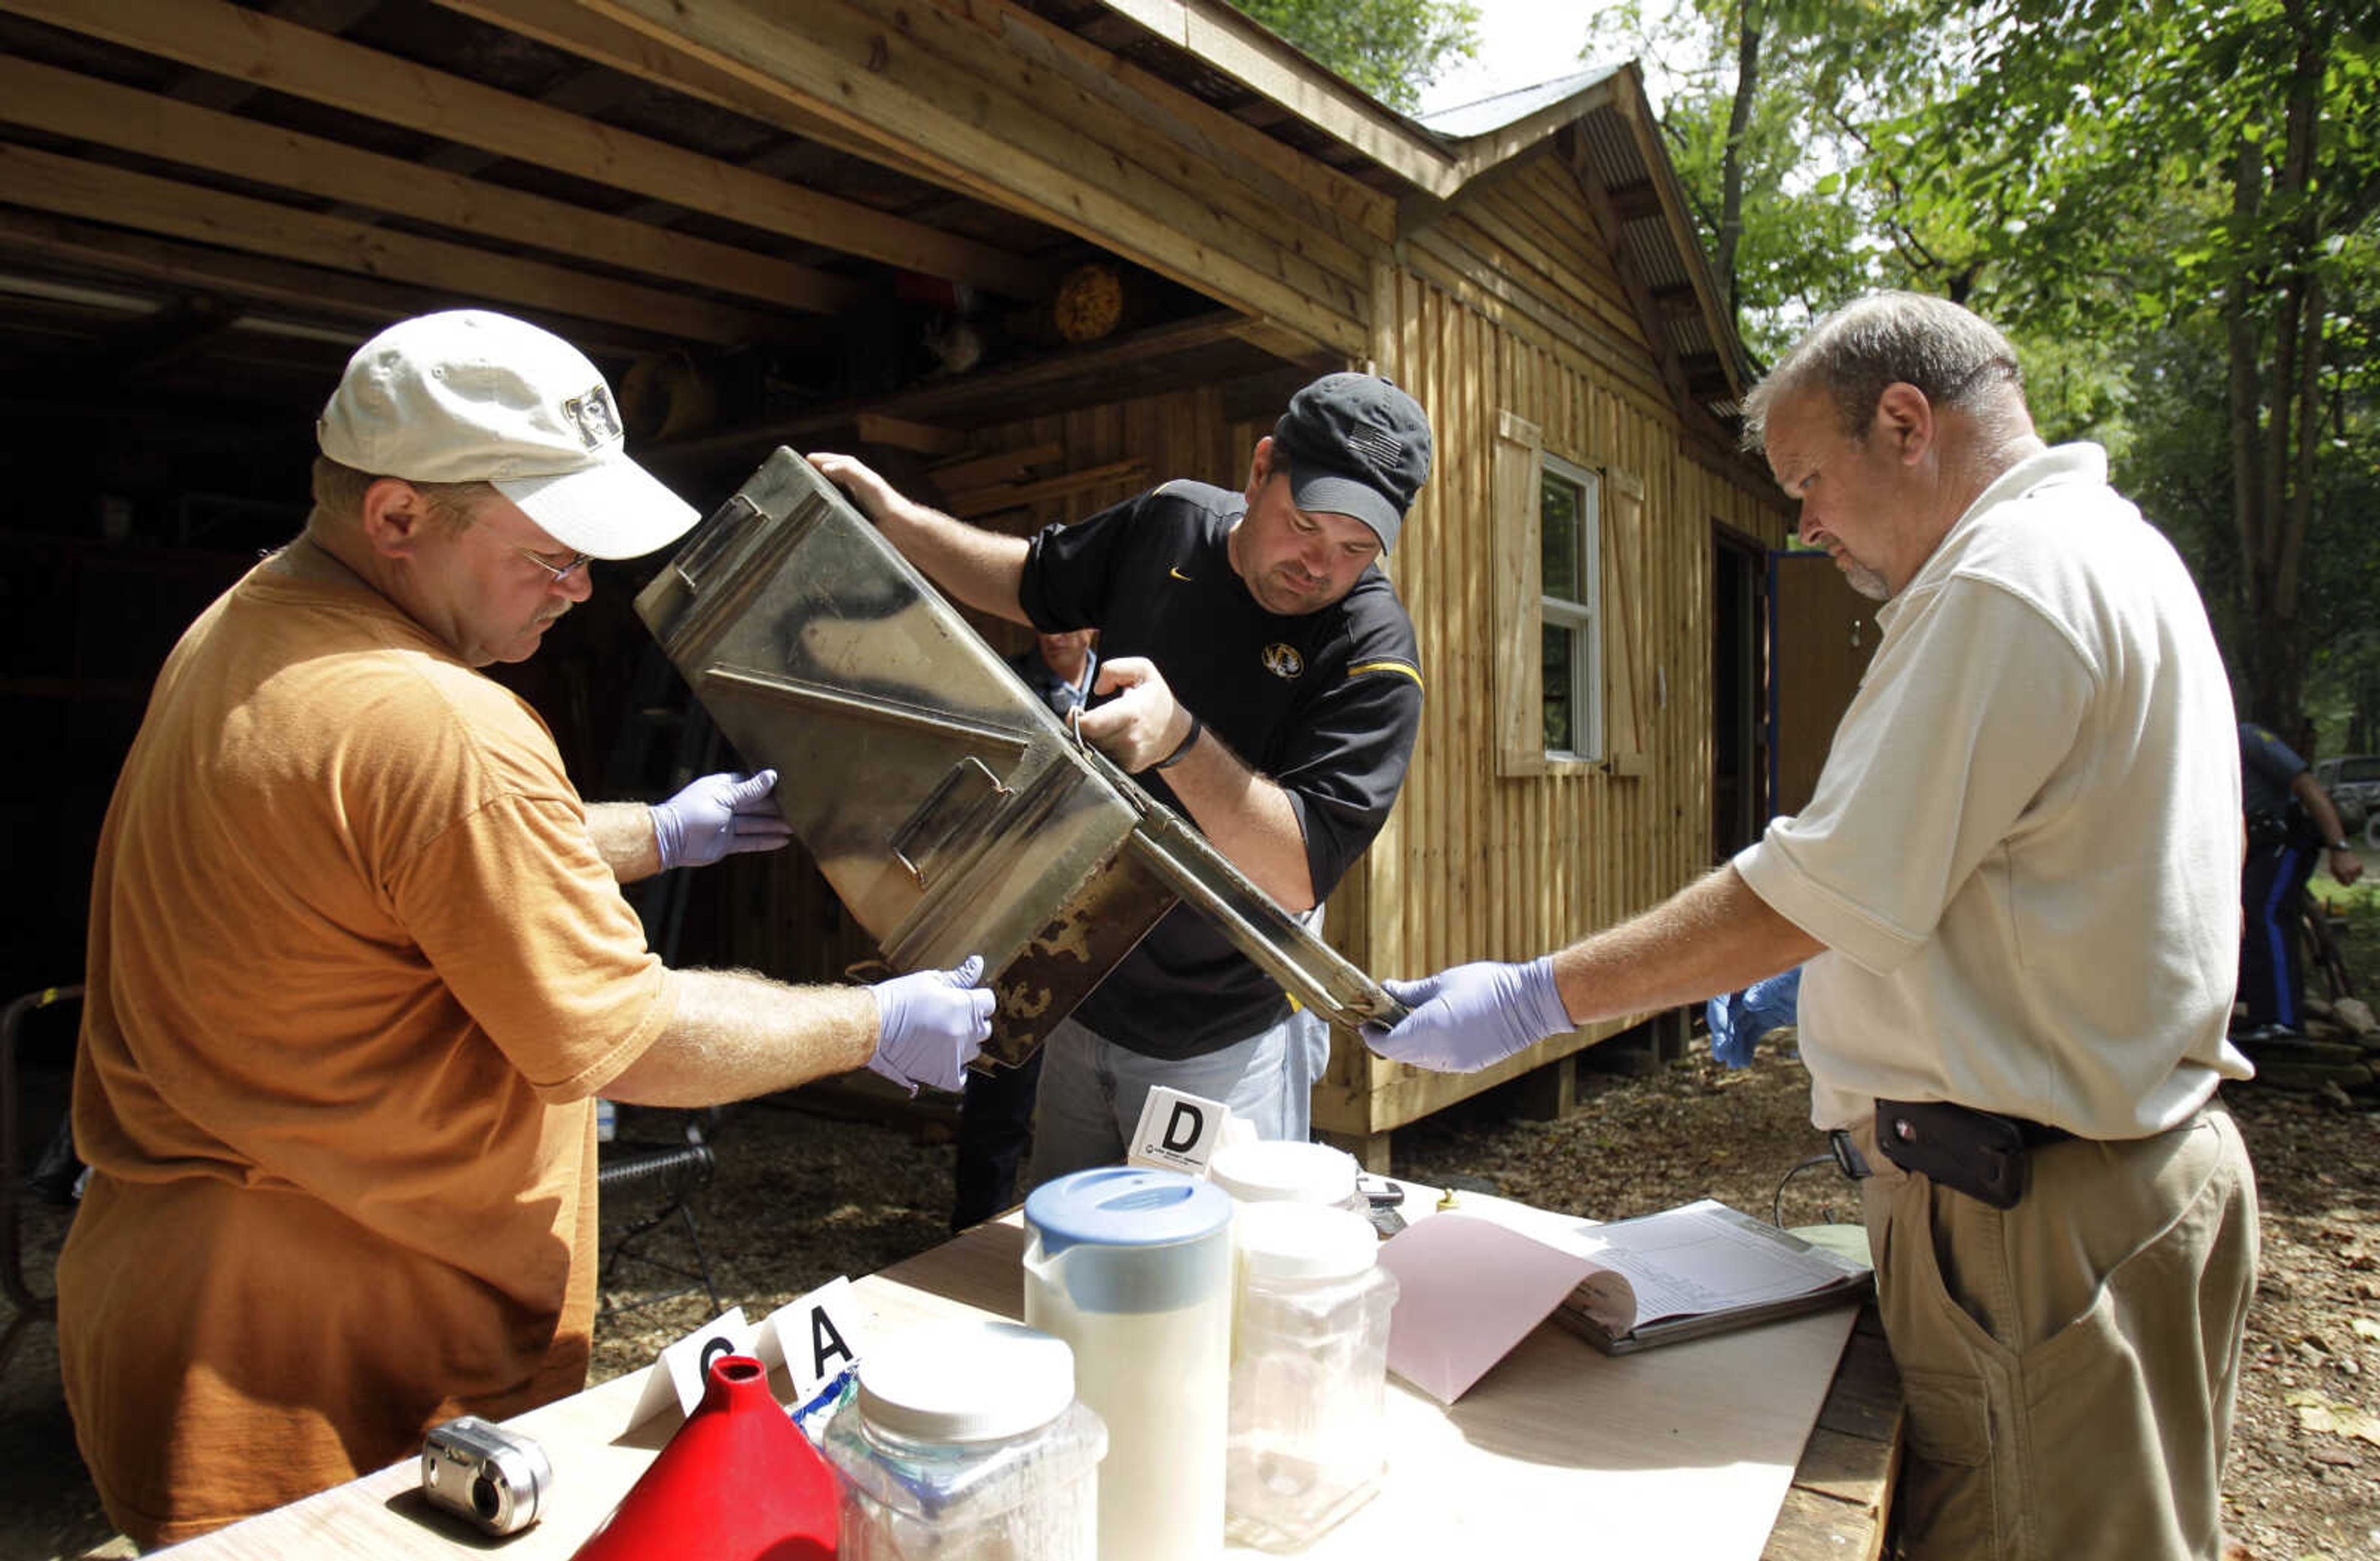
<point x="359" y="964"/>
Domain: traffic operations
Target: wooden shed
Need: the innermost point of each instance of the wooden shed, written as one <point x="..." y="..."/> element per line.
<point x="1029" y="256"/>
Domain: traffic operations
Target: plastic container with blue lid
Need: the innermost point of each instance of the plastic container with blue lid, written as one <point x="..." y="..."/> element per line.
<point x="1134" y="1269"/>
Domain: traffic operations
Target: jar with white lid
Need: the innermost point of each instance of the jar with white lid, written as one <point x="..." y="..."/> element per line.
<point x="1286" y="1171"/>
<point x="1309" y="1373"/>
<point x="964" y="1442"/>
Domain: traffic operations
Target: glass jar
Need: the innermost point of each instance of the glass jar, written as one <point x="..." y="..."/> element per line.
<point x="1309" y="1373"/>
<point x="965" y="1443"/>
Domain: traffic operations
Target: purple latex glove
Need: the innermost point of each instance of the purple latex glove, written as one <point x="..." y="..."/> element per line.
<point x="1464" y="1018"/>
<point x="717" y="815"/>
<point x="931" y="1024"/>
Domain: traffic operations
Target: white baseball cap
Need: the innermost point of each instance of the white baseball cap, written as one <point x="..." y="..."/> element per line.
<point x="469" y="396"/>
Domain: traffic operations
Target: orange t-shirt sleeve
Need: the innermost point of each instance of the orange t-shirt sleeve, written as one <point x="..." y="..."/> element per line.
<point x="526" y="926"/>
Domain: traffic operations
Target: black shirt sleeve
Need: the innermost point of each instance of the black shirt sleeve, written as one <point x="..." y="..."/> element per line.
<point x="1069" y="567"/>
<point x="1345" y="762"/>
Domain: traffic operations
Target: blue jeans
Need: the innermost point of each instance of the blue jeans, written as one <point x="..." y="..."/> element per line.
<point x="1092" y="1090"/>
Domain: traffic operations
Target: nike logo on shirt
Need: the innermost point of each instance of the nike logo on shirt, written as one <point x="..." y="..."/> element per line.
<point x="1176" y="572"/>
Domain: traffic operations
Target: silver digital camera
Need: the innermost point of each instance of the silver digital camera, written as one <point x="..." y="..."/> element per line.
<point x="495" y="1477"/>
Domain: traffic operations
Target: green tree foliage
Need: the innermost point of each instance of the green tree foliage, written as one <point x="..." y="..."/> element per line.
<point x="1768" y="107"/>
<point x="1391" y="48"/>
<point x="2201" y="175"/>
<point x="2169" y="203"/>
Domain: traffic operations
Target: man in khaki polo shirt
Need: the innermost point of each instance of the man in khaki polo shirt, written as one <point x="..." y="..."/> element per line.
<point x="2015" y="890"/>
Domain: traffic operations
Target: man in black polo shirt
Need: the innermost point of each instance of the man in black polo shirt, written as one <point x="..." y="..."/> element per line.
<point x="1258" y="673"/>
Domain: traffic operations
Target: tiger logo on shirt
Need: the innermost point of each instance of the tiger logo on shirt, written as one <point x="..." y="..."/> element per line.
<point x="1282" y="660"/>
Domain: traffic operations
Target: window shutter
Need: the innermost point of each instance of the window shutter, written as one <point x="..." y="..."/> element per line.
<point x="1626" y="704"/>
<point x="1519" y="671"/>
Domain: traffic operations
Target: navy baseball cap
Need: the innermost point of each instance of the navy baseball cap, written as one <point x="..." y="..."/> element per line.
<point x="1356" y="445"/>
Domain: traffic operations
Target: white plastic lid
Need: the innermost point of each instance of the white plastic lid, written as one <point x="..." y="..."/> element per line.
<point x="965" y="1381"/>
<point x="1305" y="1241"/>
<point x="1283" y="1171"/>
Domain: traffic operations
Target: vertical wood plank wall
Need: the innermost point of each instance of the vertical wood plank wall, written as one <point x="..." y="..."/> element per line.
<point x="1513" y="306"/>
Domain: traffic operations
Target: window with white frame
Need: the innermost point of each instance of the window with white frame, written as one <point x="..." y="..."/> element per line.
<point x="1570" y="543"/>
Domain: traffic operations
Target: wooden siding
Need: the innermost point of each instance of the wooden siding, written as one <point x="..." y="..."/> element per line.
<point x="1509" y="308"/>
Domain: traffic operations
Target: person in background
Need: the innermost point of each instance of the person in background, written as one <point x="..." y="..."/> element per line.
<point x="1061" y="669"/>
<point x="358" y="964"/>
<point x="2291" y="824"/>
<point x="1259" y="675"/>
<point x="2016" y="1047"/>
<point x="996" y="1111"/>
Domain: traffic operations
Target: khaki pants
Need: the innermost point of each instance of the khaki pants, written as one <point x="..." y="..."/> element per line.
<point x="2069" y="1364"/>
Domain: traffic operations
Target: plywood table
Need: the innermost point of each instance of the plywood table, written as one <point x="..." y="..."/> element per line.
<point x="1775" y="1442"/>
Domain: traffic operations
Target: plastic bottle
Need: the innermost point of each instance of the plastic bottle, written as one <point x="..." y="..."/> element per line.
<point x="1279" y="1171"/>
<point x="1309" y="1373"/>
<point x="966" y="1442"/>
<point x="1134" y="1268"/>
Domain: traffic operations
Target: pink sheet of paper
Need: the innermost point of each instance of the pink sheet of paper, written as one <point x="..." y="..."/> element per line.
<point x="1467" y="1291"/>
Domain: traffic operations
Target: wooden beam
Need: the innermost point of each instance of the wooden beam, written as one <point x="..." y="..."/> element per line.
<point x="836" y="57"/>
<point x="1218" y="35"/>
<point x="874" y="428"/>
<point x="1262" y="172"/>
<point x="998" y="466"/>
<point x="273" y="290"/>
<point x="1634" y="201"/>
<point x="571" y="27"/>
<point x="1706" y="377"/>
<point x="71" y="187"/>
<point x="87" y="109"/>
<point x="973" y="504"/>
<point x="1676" y="298"/>
<point x="253" y="47"/>
<point x="1010" y="388"/>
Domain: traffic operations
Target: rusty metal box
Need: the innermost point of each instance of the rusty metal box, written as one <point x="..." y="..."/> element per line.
<point x="949" y="809"/>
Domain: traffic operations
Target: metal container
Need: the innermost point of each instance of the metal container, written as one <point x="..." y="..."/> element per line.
<point x="951" y="812"/>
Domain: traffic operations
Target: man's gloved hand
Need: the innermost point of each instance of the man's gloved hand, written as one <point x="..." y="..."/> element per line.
<point x="1464" y="1018"/>
<point x="717" y="815"/>
<point x="931" y="1024"/>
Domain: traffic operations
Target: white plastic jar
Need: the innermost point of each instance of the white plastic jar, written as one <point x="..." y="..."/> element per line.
<point x="1309" y="1373"/>
<point x="1134" y="1268"/>
<point x="964" y="1442"/>
<point x="1285" y="1171"/>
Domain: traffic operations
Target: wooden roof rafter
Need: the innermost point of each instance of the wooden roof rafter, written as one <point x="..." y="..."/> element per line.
<point x="284" y="292"/>
<point x="83" y="108"/>
<point x="288" y="58"/>
<point x="1014" y="138"/>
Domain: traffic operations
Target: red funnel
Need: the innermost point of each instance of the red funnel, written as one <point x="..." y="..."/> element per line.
<point x="739" y="1482"/>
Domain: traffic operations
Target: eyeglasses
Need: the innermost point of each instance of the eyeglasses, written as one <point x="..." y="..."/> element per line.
<point x="561" y="573"/>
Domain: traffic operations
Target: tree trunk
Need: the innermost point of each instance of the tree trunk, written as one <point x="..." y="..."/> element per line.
<point x="2241" y="424"/>
<point x="1739" y="118"/>
<point x="2292" y="394"/>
